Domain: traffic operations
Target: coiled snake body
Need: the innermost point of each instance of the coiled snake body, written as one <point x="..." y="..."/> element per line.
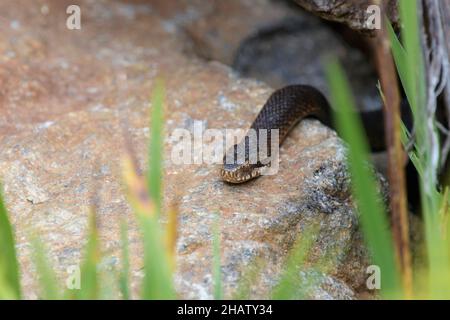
<point x="283" y="110"/>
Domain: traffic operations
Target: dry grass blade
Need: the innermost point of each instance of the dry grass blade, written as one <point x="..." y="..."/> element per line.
<point x="145" y="198"/>
<point x="396" y="170"/>
<point x="172" y="233"/>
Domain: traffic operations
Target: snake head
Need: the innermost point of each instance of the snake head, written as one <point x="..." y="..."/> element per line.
<point x="234" y="171"/>
<point x="239" y="173"/>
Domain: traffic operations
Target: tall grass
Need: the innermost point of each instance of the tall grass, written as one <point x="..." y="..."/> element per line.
<point x="372" y="213"/>
<point x="145" y="198"/>
<point x="410" y="65"/>
<point x="291" y="285"/>
<point x="124" y="277"/>
<point x="155" y="158"/>
<point x="48" y="282"/>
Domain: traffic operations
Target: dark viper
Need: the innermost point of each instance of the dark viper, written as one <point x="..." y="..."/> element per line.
<point x="283" y="110"/>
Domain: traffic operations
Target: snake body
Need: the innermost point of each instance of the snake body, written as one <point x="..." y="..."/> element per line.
<point x="283" y="110"/>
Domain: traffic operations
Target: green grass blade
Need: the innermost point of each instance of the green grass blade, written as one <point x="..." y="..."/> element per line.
<point x="154" y="174"/>
<point x="9" y="267"/>
<point x="426" y="161"/>
<point x="124" y="284"/>
<point x="217" y="273"/>
<point x="47" y="277"/>
<point x="89" y="279"/>
<point x="6" y="290"/>
<point x="405" y="136"/>
<point x="290" y="285"/>
<point x="372" y="215"/>
<point x="413" y="72"/>
<point x="250" y="276"/>
<point x="157" y="283"/>
<point x="400" y="59"/>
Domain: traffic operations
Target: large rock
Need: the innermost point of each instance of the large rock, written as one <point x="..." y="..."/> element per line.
<point x="225" y="24"/>
<point x="67" y="96"/>
<point x="353" y="13"/>
<point x="276" y="42"/>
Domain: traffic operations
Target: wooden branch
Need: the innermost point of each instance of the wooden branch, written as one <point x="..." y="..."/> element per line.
<point x="396" y="171"/>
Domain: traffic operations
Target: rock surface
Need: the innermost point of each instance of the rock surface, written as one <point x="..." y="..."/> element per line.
<point x="294" y="50"/>
<point x="65" y="97"/>
<point x="220" y="31"/>
<point x="279" y="43"/>
<point x="353" y="13"/>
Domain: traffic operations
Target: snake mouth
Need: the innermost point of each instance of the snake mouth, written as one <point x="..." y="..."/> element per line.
<point x="239" y="174"/>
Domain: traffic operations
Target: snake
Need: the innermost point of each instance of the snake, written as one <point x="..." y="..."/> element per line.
<point x="284" y="109"/>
